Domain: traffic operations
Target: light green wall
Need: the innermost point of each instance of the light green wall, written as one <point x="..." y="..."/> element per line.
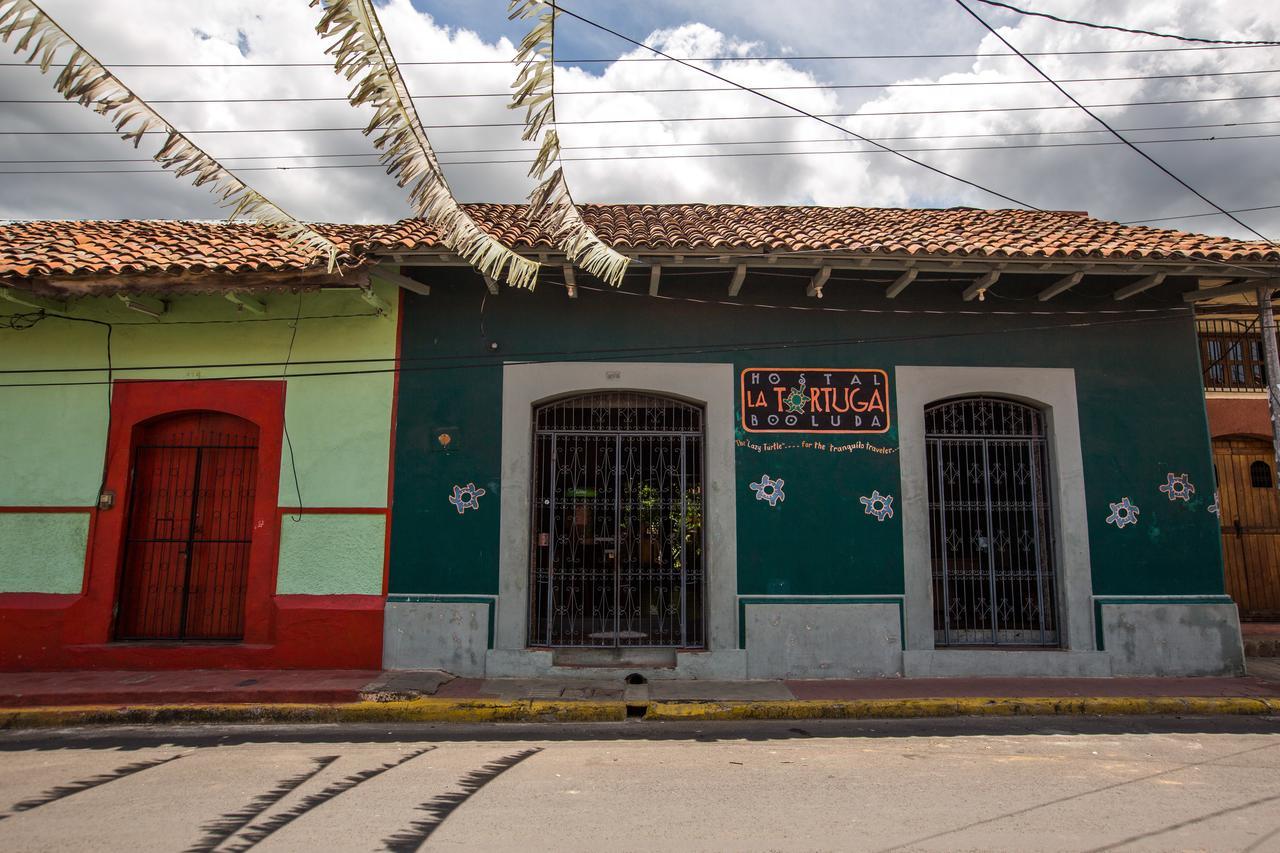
<point x="331" y="554"/>
<point x="52" y="439"/>
<point x="42" y="552"/>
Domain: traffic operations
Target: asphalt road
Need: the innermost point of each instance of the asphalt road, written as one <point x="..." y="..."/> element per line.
<point x="959" y="784"/>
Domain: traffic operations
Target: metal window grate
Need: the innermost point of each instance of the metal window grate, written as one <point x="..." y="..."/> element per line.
<point x="989" y="522"/>
<point x="1260" y="475"/>
<point x="617" y="544"/>
<point x="1231" y="355"/>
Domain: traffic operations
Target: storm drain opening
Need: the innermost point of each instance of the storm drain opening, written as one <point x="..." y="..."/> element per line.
<point x="637" y="712"/>
<point x="636" y="678"/>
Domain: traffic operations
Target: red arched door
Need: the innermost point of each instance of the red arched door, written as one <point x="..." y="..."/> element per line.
<point x="186" y="558"/>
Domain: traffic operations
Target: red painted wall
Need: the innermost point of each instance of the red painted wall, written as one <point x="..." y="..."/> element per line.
<point x="46" y="631"/>
<point x="1238" y="416"/>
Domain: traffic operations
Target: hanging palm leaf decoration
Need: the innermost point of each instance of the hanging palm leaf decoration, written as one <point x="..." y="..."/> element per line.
<point x="86" y="81"/>
<point x="551" y="200"/>
<point x="360" y="50"/>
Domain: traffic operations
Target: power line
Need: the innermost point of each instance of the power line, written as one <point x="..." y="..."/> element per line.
<point x="1199" y="215"/>
<point x="1114" y="132"/>
<point x="639" y="145"/>
<point x="691" y="90"/>
<point x="795" y="109"/>
<point x="647" y="352"/>
<point x="610" y="60"/>
<point x="1097" y="26"/>
<point x="685" y="119"/>
<point x="682" y="156"/>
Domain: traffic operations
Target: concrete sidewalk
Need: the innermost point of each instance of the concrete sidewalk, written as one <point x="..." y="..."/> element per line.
<point x="70" y="698"/>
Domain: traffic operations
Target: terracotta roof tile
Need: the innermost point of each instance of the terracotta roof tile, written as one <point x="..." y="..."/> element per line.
<point x="100" y="247"/>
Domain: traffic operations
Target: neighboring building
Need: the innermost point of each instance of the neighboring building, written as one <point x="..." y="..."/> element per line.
<point x="804" y="442"/>
<point x="1244" y="456"/>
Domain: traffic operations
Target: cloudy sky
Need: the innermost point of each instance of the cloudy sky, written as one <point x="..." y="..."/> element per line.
<point x="964" y="104"/>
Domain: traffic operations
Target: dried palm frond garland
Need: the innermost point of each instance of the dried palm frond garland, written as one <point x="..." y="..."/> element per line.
<point x="86" y="81"/>
<point x="360" y="50"/>
<point x="551" y="200"/>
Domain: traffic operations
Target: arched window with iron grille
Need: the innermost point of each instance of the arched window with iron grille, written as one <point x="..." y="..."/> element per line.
<point x="617" y="532"/>
<point x="991" y="535"/>
<point x="1260" y="475"/>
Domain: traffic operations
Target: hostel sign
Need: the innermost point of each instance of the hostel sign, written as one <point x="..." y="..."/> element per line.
<point x="821" y="399"/>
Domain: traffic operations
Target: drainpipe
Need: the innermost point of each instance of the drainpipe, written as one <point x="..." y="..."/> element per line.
<point x="1269" y="352"/>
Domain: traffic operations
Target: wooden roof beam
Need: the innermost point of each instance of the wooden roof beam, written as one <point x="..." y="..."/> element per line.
<point x="30" y="300"/>
<point x="570" y="282"/>
<point x="1062" y="285"/>
<point x="818" y="281"/>
<point x="150" y="306"/>
<point x="246" y="303"/>
<point x="739" y="276"/>
<point x="901" y="282"/>
<point x="655" y="279"/>
<point x="391" y="275"/>
<point x="1234" y="289"/>
<point x="981" y="285"/>
<point x="1140" y="285"/>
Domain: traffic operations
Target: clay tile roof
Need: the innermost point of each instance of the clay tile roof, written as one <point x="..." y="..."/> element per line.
<point x="150" y="247"/>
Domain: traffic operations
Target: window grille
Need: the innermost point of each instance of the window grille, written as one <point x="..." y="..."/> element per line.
<point x="991" y="538"/>
<point x="617" y="527"/>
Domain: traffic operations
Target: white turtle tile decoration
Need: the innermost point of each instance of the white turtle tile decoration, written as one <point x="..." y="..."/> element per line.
<point x="769" y="490"/>
<point x="1123" y="513"/>
<point x="1178" y="487"/>
<point x="1215" y="507"/>
<point x="466" y="497"/>
<point x="881" y="506"/>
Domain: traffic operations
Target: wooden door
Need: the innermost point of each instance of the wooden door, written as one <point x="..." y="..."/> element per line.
<point x="186" y="562"/>
<point x="1249" y="511"/>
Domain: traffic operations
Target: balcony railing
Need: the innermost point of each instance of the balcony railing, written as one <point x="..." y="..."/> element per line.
<point x="1231" y="355"/>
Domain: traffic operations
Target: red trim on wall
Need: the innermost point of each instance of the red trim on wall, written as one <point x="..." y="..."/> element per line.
<point x="1238" y="416"/>
<point x="133" y="404"/>
<point x="37" y="632"/>
<point x="37" y="509"/>
<point x="74" y="631"/>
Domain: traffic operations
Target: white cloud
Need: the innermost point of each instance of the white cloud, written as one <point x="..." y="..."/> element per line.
<point x="1109" y="181"/>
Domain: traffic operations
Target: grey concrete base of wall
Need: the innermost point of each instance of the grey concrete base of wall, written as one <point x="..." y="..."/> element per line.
<point x="447" y="635"/>
<point x="957" y="663"/>
<point x="720" y="664"/>
<point x="823" y="640"/>
<point x="1173" y="639"/>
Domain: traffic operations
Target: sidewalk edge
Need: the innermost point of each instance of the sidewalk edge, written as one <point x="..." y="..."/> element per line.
<point x="434" y="710"/>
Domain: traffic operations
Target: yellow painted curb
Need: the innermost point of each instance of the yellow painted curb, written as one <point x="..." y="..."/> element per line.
<point x="436" y="710"/>
<point x="860" y="709"/>
<point x="425" y="710"/>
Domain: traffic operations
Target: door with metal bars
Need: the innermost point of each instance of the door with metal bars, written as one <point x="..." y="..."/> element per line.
<point x="186" y="558"/>
<point x="991" y="536"/>
<point x="617" y="528"/>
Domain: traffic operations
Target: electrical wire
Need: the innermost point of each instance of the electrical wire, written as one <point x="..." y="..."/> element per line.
<point x="1199" y="215"/>
<point x="630" y="59"/>
<point x="1114" y="132"/>
<point x="690" y="90"/>
<point x="639" y="145"/>
<point x="284" y="417"/>
<point x="821" y="117"/>
<point x="630" y="157"/>
<point x="498" y="360"/>
<point x="799" y="111"/>
<point x="1097" y="26"/>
